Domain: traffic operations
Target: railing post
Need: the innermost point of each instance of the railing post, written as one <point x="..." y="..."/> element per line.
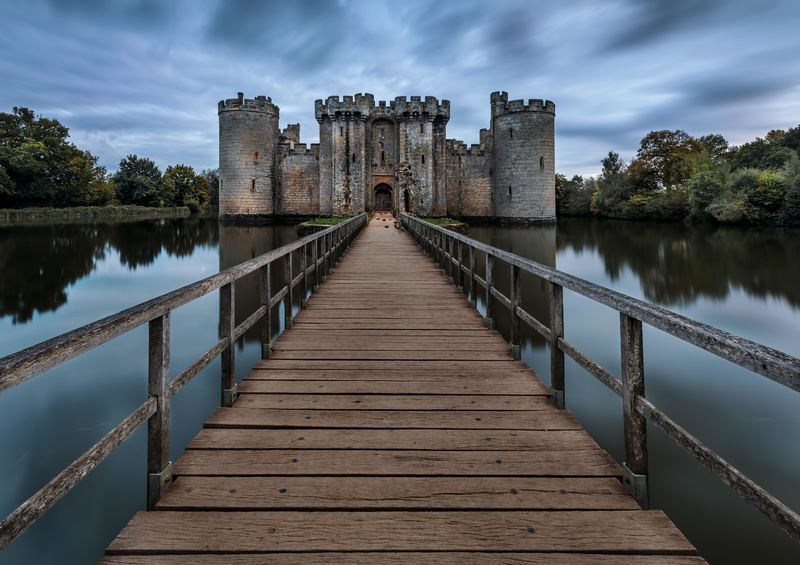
<point x="303" y="267"/>
<point x="329" y="253"/>
<point x="460" y="277"/>
<point x="227" y="322"/>
<point x="634" y="468"/>
<point x="556" y="355"/>
<point x="159" y="467"/>
<point x="473" y="285"/>
<point x="516" y="301"/>
<point x="489" y="286"/>
<point x="287" y="300"/>
<point x="315" y="259"/>
<point x="447" y="258"/>
<point x="265" y="285"/>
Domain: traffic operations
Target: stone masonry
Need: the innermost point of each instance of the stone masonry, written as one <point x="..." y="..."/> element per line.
<point x="266" y="172"/>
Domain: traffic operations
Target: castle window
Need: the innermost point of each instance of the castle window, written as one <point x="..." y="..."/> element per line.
<point x="511" y="133"/>
<point x="341" y="131"/>
<point x="255" y="158"/>
<point x="423" y="159"/>
<point x="354" y="157"/>
<point x="422" y="128"/>
<point x="383" y="135"/>
<point x="253" y="184"/>
<point x="220" y="185"/>
<point x="541" y="162"/>
<point x="509" y="191"/>
<point x="383" y="156"/>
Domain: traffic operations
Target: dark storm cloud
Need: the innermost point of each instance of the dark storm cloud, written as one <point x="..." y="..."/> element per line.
<point x="144" y="77"/>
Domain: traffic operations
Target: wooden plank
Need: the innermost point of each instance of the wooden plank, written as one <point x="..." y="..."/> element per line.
<point x="484" y="387"/>
<point x="261" y="532"/>
<point x="458" y="375"/>
<point x="566" y="463"/>
<point x="411" y="419"/>
<point x="391" y="402"/>
<point x="312" y="493"/>
<point x="403" y="558"/>
<point x="392" y="439"/>
<point x="462" y="367"/>
<point x="389" y="355"/>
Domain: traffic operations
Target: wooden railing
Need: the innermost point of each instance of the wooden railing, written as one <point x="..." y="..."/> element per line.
<point x="325" y="249"/>
<point x="446" y="249"/>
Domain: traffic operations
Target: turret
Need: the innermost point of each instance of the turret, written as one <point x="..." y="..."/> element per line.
<point x="524" y="148"/>
<point x="248" y="136"/>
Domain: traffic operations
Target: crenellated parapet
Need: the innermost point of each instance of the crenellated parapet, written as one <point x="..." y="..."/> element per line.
<point x="501" y="105"/>
<point x="363" y="105"/>
<point x="285" y="149"/>
<point x="261" y="104"/>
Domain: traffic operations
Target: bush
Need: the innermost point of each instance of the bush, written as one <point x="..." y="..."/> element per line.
<point x="192" y="205"/>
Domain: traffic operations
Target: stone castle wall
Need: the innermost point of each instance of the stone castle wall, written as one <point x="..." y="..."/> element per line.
<point x="509" y="175"/>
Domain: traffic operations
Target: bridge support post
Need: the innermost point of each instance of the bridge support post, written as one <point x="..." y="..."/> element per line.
<point x="227" y="322"/>
<point x="635" y="468"/>
<point x="159" y="468"/>
<point x="516" y="300"/>
<point x="303" y="267"/>
<point x="556" y="355"/>
<point x="287" y="300"/>
<point x="448" y="270"/>
<point x="473" y="290"/>
<point x="265" y="285"/>
<point x="489" y="287"/>
<point x="315" y="259"/>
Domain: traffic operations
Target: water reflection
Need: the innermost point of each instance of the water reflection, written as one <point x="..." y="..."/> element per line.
<point x="678" y="264"/>
<point x="39" y="262"/>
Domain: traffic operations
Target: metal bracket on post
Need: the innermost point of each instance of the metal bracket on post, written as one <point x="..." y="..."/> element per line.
<point x="489" y="323"/>
<point x="157" y="483"/>
<point x="230" y="394"/>
<point x="515" y="352"/>
<point x="461" y="290"/>
<point x="450" y="279"/>
<point x="303" y="303"/>
<point x="637" y="484"/>
<point x="558" y="398"/>
<point x="473" y="304"/>
<point x="288" y="322"/>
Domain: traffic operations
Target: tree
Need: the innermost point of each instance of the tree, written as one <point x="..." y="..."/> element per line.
<point x="212" y="176"/>
<point x="139" y="182"/>
<point x="574" y="197"/>
<point x="661" y="156"/>
<point x="710" y="181"/>
<point x="189" y="186"/>
<point x="716" y="145"/>
<point x="613" y="187"/>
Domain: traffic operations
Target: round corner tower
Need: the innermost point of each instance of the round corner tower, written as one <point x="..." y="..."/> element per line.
<point x="248" y="137"/>
<point x="524" y="150"/>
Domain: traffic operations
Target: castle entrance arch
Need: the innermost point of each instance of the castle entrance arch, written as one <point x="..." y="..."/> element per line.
<point x="382" y="198"/>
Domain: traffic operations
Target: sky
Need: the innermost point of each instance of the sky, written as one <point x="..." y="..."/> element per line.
<point x="144" y="77"/>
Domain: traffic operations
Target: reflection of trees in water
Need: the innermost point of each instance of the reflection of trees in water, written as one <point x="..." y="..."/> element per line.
<point x="678" y="264"/>
<point x="38" y="262"/>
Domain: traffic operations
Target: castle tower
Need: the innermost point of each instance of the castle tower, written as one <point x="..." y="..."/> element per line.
<point x="524" y="153"/>
<point x="248" y="136"/>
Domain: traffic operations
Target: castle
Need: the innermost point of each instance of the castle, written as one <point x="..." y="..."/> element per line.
<point x="393" y="156"/>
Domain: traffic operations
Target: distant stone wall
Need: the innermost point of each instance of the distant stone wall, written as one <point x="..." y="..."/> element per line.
<point x="298" y="180"/>
<point x="469" y="181"/>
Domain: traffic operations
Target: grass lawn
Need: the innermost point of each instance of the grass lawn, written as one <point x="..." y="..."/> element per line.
<point x="329" y="221"/>
<point x="440" y="221"/>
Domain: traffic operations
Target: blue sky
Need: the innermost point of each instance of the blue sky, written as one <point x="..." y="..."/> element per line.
<point x="144" y="77"/>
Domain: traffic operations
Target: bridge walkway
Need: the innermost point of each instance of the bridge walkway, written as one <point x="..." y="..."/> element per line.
<point x="390" y="426"/>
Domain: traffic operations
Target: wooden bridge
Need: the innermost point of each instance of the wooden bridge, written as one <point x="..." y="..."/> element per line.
<point x="388" y="425"/>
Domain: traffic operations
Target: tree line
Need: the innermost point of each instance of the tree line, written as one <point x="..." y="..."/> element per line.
<point x="39" y="167"/>
<point x="677" y="177"/>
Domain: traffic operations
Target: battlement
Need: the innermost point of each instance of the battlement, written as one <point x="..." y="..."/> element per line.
<point x="291" y="133"/>
<point x="258" y="104"/>
<point x="501" y="105"/>
<point x="458" y="147"/>
<point x="364" y="104"/>
<point x="285" y="149"/>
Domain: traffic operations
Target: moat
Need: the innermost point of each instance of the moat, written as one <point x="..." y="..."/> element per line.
<point x="743" y="280"/>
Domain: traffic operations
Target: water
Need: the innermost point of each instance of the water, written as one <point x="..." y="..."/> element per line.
<point x="744" y="280"/>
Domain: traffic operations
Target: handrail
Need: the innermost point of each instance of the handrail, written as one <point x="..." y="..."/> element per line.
<point x="327" y="248"/>
<point x="780" y="367"/>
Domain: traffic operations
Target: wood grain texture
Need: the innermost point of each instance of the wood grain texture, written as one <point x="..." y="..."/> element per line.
<point x="587" y="462"/>
<point x="392" y="402"/>
<point x="484" y="387"/>
<point x="222" y="532"/>
<point x="404" y="558"/>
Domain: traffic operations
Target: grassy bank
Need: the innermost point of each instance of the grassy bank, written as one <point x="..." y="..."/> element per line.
<point x="88" y="212"/>
<point x="328" y="221"/>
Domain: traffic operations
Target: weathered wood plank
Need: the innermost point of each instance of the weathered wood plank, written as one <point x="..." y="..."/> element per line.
<point x="218" y="532"/>
<point x="566" y="463"/>
<point x="388" y="355"/>
<point x="419" y="419"/>
<point x="313" y="493"/>
<point x="486" y="387"/>
<point x="403" y="558"/>
<point x="393" y="439"/>
<point x="457" y="366"/>
<point x="392" y="402"/>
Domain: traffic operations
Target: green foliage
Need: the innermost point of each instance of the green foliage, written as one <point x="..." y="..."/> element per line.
<point x="790" y="213"/>
<point x="662" y="157"/>
<point x="212" y="176"/>
<point x="574" y="197"/>
<point x="711" y="179"/>
<point x="38" y="165"/>
<point x="188" y="185"/>
<point x="612" y="187"/>
<point x="139" y="182"/>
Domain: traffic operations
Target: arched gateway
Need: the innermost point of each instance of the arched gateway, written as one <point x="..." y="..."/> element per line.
<point x="383" y="198"/>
